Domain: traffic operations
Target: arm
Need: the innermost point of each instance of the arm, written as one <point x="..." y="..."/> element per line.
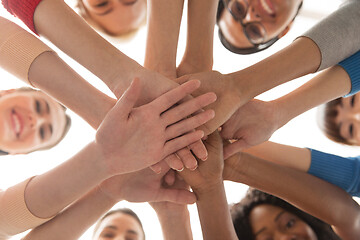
<point x="207" y="183"/>
<point x="256" y="121"/>
<point x="164" y="18"/>
<point x="47" y="194"/>
<point x="300" y="189"/>
<point x="198" y="56"/>
<point x="139" y="186"/>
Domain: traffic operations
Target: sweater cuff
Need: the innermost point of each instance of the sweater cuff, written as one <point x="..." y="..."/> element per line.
<point x="352" y="66"/>
<point x="334" y="169"/>
<point x="15" y="217"/>
<point x="23" y="9"/>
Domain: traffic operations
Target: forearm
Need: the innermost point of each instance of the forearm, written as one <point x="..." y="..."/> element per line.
<point x="293" y="157"/>
<point x="55" y="20"/>
<point x="200" y="34"/>
<point x="76" y="219"/>
<point x="175" y="223"/>
<point x="164" y="18"/>
<point x="214" y="213"/>
<point x="327" y="85"/>
<point x="49" y="193"/>
<point x="298" y="59"/>
<point x="300" y="189"/>
<point x="49" y="73"/>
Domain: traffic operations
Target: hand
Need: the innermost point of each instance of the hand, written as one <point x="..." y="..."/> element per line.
<point x="228" y="98"/>
<point x="154" y="85"/>
<point x="145" y="186"/>
<point x="166" y="207"/>
<point x="250" y="125"/>
<point x="209" y="173"/>
<point x="131" y="139"/>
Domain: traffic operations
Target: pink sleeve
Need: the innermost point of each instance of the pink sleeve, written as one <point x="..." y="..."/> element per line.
<point x="23" y="9"/>
<point x="15" y="217"/>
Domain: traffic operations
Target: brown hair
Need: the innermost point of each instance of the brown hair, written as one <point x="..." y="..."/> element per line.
<point x="327" y="121"/>
<point x="126" y="211"/>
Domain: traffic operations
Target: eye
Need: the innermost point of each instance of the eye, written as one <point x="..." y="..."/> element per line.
<point x="42" y="132"/>
<point x="290" y="223"/>
<point x="102" y="4"/>
<point x="351" y="130"/>
<point x="38" y="106"/>
<point x="352" y="101"/>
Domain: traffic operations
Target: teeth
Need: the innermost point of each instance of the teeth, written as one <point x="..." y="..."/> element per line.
<point x="17" y="124"/>
<point x="266" y="7"/>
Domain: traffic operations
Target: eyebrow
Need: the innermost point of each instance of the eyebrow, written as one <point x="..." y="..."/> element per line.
<point x="278" y="216"/>
<point x="111" y="227"/>
<point x="132" y="232"/>
<point x="106" y="12"/>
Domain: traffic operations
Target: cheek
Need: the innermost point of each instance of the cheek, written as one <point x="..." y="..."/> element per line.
<point x="306" y="231"/>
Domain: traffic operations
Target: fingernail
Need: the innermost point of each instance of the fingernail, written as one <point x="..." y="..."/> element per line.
<point x="180" y="170"/>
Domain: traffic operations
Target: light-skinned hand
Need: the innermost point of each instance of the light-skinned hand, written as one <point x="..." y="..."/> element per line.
<point x="250" y="125"/>
<point x="131" y="139"/>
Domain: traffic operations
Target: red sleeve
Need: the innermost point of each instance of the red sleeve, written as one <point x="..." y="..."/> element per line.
<point x="23" y="9"/>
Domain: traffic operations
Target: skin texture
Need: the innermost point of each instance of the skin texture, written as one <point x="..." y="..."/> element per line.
<point x="272" y="222"/>
<point x="119" y="226"/>
<point x="257" y="120"/>
<point x="30" y="120"/>
<point x="114" y="68"/>
<point x="116" y="17"/>
<point x="349" y="118"/>
<point x="275" y="24"/>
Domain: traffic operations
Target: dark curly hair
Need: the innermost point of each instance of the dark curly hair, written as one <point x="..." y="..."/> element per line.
<point x="240" y="213"/>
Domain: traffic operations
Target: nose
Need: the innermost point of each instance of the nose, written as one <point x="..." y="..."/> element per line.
<point x="35" y="120"/>
<point x="252" y="15"/>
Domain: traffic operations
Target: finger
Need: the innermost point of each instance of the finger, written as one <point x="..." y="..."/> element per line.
<point x="170" y="178"/>
<point x="181" y="142"/>
<point x="179" y="196"/>
<point x="188" y="124"/>
<point x="182" y="79"/>
<point x="187" y="158"/>
<point x="199" y="150"/>
<point x="174" y="162"/>
<point x="234" y="147"/>
<point x="173" y="96"/>
<point x="187" y="108"/>
<point x="127" y="101"/>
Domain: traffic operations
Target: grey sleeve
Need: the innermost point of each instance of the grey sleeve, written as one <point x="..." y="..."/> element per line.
<point x="338" y="35"/>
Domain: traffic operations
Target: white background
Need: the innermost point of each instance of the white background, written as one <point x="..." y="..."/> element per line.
<point x="300" y="132"/>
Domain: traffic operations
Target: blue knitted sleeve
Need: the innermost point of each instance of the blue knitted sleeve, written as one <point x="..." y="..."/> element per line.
<point x="340" y="171"/>
<point x="352" y="67"/>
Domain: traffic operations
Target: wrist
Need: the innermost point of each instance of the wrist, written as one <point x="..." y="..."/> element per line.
<point x="105" y="196"/>
<point x="208" y="189"/>
<point x="102" y="161"/>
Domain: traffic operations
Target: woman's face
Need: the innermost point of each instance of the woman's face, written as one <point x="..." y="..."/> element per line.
<point x="29" y="120"/>
<point x="348" y="118"/>
<point x="270" y="222"/>
<point x="119" y="226"/>
<point x="274" y="15"/>
<point x="117" y="16"/>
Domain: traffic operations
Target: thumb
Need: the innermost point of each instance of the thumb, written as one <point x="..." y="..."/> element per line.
<point x="129" y="98"/>
<point x="234" y="147"/>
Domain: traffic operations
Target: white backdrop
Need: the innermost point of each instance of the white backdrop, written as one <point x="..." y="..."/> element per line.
<point x="300" y="132"/>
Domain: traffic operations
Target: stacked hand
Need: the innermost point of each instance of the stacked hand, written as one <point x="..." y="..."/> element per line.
<point x="131" y="139"/>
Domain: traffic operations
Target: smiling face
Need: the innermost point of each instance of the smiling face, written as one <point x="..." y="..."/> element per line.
<point x="274" y="16"/>
<point x="348" y="119"/>
<point x="29" y="120"/>
<point x="116" y="16"/>
<point x="119" y="226"/>
<point x="270" y="222"/>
